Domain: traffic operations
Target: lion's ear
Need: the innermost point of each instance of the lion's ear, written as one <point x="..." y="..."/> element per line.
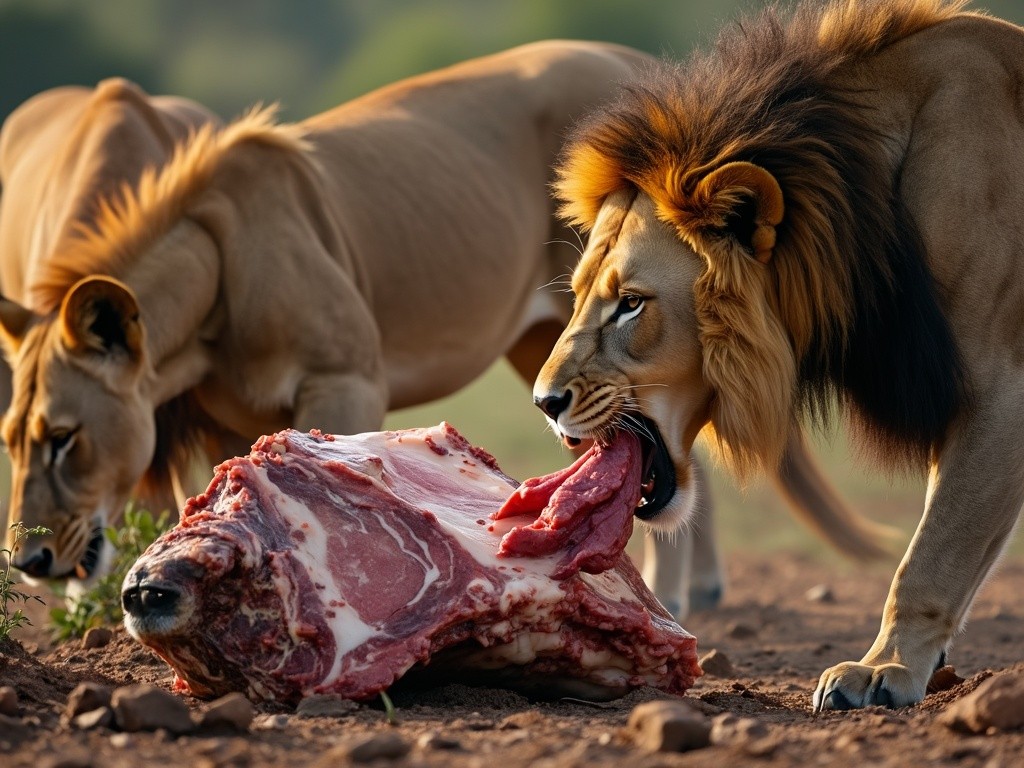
<point x="744" y="202"/>
<point x="14" y="321"/>
<point x="100" y="314"/>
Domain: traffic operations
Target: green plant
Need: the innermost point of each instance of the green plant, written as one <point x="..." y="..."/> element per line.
<point x="11" y="617"/>
<point x="100" y="604"/>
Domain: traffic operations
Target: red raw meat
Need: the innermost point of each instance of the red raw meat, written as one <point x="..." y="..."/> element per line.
<point x="336" y="565"/>
<point x="584" y="511"/>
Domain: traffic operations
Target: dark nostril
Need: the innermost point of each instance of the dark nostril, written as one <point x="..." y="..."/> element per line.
<point x="149" y="600"/>
<point x="39" y="564"/>
<point x="552" y="405"/>
<point x="131" y="601"/>
<point x="158" y="599"/>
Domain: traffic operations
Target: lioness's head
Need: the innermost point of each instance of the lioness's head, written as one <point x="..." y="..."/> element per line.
<point x="79" y="431"/>
<point x="671" y="334"/>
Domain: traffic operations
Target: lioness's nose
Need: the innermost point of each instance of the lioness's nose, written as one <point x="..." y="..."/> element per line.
<point x="36" y="564"/>
<point x="553" y="405"/>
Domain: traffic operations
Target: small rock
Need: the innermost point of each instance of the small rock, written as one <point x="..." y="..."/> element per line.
<point x="10" y="725"/>
<point x="85" y="698"/>
<point x="435" y="740"/>
<point x="270" y="722"/>
<point x="998" y="704"/>
<point x="68" y="761"/>
<point x="233" y="711"/>
<point x="728" y="728"/>
<point x="9" y="701"/>
<point x="740" y="631"/>
<point x="121" y="740"/>
<point x="717" y="664"/>
<point x="96" y="637"/>
<point x="381" y="746"/>
<point x="943" y="679"/>
<point x="820" y="593"/>
<point x="330" y="705"/>
<point x="102" y="717"/>
<point x="748" y="733"/>
<point x="668" y="726"/>
<point x="528" y="719"/>
<point x="144" y="707"/>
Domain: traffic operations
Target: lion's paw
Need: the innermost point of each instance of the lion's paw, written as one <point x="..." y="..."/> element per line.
<point x="852" y="685"/>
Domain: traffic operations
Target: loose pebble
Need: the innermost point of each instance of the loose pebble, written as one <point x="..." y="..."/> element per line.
<point x="121" y="740"/>
<point x="740" y="631"/>
<point x="382" y="746"/>
<point x="528" y="719"/>
<point x="270" y="722"/>
<point x="943" y="679"/>
<point x="87" y="697"/>
<point x="434" y="740"/>
<point x="68" y="761"/>
<point x="145" y="707"/>
<point x="11" y="725"/>
<point x="996" y="705"/>
<point x="820" y="593"/>
<point x="96" y="637"/>
<point x="232" y="711"/>
<point x="102" y="717"/>
<point x="9" y="701"/>
<point x="330" y="705"/>
<point x="717" y="664"/>
<point x="668" y="726"/>
<point x="748" y="733"/>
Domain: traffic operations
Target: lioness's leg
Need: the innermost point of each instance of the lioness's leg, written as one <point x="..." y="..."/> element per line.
<point x="343" y="404"/>
<point x="969" y="514"/>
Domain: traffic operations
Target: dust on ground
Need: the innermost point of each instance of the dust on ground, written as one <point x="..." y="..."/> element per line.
<point x="776" y="638"/>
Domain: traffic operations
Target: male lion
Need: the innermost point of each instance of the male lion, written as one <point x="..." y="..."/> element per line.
<point x="819" y="210"/>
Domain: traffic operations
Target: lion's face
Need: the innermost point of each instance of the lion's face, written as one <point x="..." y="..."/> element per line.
<point x="631" y="356"/>
<point x="79" y="430"/>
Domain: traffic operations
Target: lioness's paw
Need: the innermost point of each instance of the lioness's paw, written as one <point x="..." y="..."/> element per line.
<point x="851" y="685"/>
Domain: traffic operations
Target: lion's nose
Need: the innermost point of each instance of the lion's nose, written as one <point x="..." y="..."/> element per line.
<point x="553" y="405"/>
<point x="37" y="564"/>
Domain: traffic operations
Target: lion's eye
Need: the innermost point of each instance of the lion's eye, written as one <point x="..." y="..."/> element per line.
<point x="630" y="305"/>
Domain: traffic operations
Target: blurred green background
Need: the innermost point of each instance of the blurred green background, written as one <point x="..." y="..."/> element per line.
<point x="310" y="55"/>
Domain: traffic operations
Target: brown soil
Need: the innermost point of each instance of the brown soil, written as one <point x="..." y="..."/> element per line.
<point x="777" y="639"/>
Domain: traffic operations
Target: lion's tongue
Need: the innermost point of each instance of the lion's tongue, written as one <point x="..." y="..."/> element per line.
<point x="585" y="510"/>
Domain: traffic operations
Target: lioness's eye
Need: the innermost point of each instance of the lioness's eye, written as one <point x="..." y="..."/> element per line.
<point x="60" y="442"/>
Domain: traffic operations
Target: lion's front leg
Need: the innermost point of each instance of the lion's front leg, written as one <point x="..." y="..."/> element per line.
<point x="975" y="493"/>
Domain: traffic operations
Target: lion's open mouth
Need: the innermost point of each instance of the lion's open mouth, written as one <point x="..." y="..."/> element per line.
<point x="659" y="473"/>
<point x="87" y="565"/>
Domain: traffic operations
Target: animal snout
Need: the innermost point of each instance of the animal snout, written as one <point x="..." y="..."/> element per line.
<point x="148" y="600"/>
<point x="35" y="563"/>
<point x="553" y="405"/>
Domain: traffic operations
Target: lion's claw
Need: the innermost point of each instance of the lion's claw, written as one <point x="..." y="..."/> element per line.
<point x="851" y="685"/>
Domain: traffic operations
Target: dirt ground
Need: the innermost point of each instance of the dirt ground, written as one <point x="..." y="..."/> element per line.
<point x="776" y="637"/>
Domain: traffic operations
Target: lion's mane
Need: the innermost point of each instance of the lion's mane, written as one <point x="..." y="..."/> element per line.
<point x="846" y="309"/>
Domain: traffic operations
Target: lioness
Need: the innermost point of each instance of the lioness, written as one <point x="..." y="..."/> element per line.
<point x="378" y="255"/>
<point x="820" y="208"/>
<point x="61" y="153"/>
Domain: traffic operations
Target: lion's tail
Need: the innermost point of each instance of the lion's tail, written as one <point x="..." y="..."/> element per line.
<point x="813" y="499"/>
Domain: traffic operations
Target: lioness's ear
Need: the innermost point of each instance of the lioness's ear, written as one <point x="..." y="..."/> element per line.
<point x="14" y="321"/>
<point x="742" y="201"/>
<point x="100" y="314"/>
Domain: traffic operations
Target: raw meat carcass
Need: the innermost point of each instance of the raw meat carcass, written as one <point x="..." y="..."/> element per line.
<point x="321" y="564"/>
